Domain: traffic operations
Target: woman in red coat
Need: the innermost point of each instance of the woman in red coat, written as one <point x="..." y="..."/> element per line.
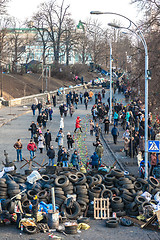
<point x="78" y="124"/>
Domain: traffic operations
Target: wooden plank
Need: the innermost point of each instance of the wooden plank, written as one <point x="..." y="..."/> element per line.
<point x="158" y="215"/>
<point x="150" y="221"/>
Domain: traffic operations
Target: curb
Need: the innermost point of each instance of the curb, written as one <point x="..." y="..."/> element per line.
<point x="16" y="116"/>
<point x="115" y="157"/>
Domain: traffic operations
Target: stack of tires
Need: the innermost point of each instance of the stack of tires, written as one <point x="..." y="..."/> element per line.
<point x="3" y="188"/>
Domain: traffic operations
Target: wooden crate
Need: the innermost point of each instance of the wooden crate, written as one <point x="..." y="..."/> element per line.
<point x="101" y="208"/>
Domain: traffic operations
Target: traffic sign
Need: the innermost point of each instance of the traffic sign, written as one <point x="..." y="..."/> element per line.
<point x="153" y="146"/>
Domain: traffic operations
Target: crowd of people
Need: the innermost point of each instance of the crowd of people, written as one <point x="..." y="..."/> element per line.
<point x="130" y="117"/>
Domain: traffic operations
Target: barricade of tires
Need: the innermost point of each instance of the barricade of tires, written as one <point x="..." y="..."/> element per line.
<point x="124" y="192"/>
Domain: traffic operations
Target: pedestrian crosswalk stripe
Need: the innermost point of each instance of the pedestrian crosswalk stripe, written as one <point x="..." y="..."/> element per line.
<point x="153" y="147"/>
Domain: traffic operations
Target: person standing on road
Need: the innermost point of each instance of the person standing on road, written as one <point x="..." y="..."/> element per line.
<point x="51" y="155"/>
<point x="97" y="130"/>
<point x="50" y="112"/>
<point x="78" y="120"/>
<point x="41" y="142"/>
<point x="70" y="141"/>
<point x="86" y="102"/>
<point x="18" y="146"/>
<point x="44" y="120"/>
<point x="106" y="125"/>
<point x="33" y="107"/>
<point x="39" y="106"/>
<point x="91" y="125"/>
<point x="99" y="151"/>
<point x="54" y="100"/>
<point x="75" y="160"/>
<point x="48" y="139"/>
<point x="126" y="145"/>
<point x="116" y="118"/>
<point x="64" y="157"/>
<point x="71" y="110"/>
<point x="33" y="128"/>
<point x="61" y="124"/>
<point x="61" y="109"/>
<point x="60" y="137"/>
<point x="153" y="162"/>
<point x="31" y="148"/>
<point x="115" y="134"/>
<point x="81" y="97"/>
<point x="40" y="120"/>
<point x="103" y="93"/>
<point x="95" y="160"/>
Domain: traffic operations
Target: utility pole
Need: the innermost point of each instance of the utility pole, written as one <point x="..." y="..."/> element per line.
<point x="110" y="110"/>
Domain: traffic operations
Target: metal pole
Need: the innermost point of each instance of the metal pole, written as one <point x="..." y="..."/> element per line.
<point x="110" y="112"/>
<point x="146" y="112"/>
<point x="42" y="76"/>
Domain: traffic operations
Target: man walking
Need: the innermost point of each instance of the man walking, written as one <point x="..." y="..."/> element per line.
<point x="33" y="107"/>
<point x="33" y="128"/>
<point x="115" y="134"/>
<point x="18" y="147"/>
<point x="48" y="139"/>
<point x="31" y="148"/>
<point x="51" y="155"/>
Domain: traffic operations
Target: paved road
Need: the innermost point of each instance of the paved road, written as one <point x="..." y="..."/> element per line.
<point x="18" y="128"/>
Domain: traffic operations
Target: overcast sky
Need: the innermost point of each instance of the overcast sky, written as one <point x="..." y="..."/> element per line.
<point x="80" y="9"/>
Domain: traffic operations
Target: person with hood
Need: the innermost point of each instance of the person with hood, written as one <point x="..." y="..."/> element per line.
<point x="75" y="160"/>
<point x="61" y="125"/>
<point x="60" y="137"/>
<point x="95" y="160"/>
<point x="99" y="151"/>
<point x="39" y="106"/>
<point x="78" y="120"/>
<point x="41" y="142"/>
<point x="115" y="134"/>
<point x="40" y="120"/>
<point x="70" y="141"/>
<point x="51" y="155"/>
<point x="31" y="148"/>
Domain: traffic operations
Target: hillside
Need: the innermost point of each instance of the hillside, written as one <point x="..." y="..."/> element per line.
<point x="15" y="86"/>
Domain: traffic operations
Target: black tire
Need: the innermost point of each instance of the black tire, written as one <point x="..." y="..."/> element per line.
<point x="127" y="197"/>
<point x="30" y="229"/>
<point x="82" y="191"/>
<point x="80" y="175"/>
<point x="60" y="196"/>
<point x="99" y="177"/>
<point x="132" y="207"/>
<point x="109" y="178"/>
<point x="13" y="192"/>
<point x="118" y="206"/>
<point x="128" y="186"/>
<point x="117" y="173"/>
<point x="73" y="178"/>
<point x="107" y="194"/>
<point x="82" y="204"/>
<point x="115" y="191"/>
<point x="11" y="207"/>
<point x="31" y="194"/>
<point x="102" y="186"/>
<point x="90" y="181"/>
<point x="139" y="200"/>
<point x="42" y="194"/>
<point x="68" y="188"/>
<point x="72" y="213"/>
<point x="155" y="190"/>
<point x="130" y="213"/>
<point x="81" y="181"/>
<point x="83" y="220"/>
<point x="62" y="181"/>
<point x="138" y="185"/>
<point x="25" y="205"/>
<point x="93" y="195"/>
<point x="116" y="200"/>
<point x="28" y="172"/>
<point x="86" y="200"/>
<point x="153" y="182"/>
<point x="3" y="185"/>
<point x="96" y="189"/>
<point x="121" y="213"/>
<point x="112" y="223"/>
<point x="147" y="188"/>
<point x="59" y="192"/>
<point x="133" y="179"/>
<point x="143" y="181"/>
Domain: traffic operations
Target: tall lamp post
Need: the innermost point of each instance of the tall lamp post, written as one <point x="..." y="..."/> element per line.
<point x="139" y="33"/>
<point x="110" y="92"/>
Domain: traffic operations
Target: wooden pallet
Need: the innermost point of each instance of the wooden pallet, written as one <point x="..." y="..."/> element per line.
<point x="101" y="208"/>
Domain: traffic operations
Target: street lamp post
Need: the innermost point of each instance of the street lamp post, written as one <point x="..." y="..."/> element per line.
<point x="139" y="33"/>
<point x="110" y="93"/>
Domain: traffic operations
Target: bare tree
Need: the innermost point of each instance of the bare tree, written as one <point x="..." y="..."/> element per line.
<point x="54" y="17"/>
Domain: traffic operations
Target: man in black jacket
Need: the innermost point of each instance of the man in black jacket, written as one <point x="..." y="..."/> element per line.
<point x="33" y="128"/>
<point x="51" y="155"/>
<point x="48" y="139"/>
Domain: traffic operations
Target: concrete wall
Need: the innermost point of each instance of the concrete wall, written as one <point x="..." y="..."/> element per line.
<point x="28" y="100"/>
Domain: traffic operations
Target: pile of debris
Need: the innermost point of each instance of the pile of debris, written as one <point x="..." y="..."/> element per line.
<point x="75" y="193"/>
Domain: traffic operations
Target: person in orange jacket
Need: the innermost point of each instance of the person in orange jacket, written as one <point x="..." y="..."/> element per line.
<point x="31" y="148"/>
